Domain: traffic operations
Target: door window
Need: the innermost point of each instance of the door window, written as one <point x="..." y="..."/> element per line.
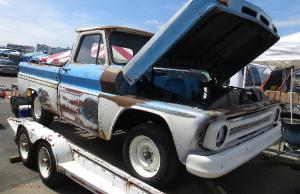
<point x="91" y="50"/>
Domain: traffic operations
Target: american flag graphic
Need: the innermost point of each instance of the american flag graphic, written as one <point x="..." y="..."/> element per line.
<point x="120" y="54"/>
<point x="58" y="58"/>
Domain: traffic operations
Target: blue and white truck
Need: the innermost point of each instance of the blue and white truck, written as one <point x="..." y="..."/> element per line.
<point x="165" y="91"/>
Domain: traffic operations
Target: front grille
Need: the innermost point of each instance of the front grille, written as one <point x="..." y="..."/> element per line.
<point x="242" y="128"/>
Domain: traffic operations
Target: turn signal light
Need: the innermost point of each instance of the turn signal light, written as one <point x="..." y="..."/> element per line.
<point x="28" y="93"/>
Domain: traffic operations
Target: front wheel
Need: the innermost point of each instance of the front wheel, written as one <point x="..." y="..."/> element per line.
<point x="149" y="154"/>
<point x="39" y="114"/>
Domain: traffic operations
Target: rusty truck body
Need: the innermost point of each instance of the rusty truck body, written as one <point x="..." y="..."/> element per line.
<point x="165" y="90"/>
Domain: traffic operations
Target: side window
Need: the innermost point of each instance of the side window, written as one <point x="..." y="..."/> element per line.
<point x="91" y="50"/>
<point x="124" y="46"/>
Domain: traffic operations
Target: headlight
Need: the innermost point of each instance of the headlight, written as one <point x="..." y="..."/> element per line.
<point x="216" y="136"/>
<point x="221" y="136"/>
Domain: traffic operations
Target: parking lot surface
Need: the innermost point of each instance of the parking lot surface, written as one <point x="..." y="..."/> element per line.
<point x="260" y="175"/>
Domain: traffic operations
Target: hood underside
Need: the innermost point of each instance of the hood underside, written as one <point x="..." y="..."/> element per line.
<point x="208" y="36"/>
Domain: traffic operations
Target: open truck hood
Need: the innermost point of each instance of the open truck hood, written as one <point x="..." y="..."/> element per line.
<point x="217" y="36"/>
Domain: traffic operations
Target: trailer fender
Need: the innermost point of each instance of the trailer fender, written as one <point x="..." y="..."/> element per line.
<point x="37" y="133"/>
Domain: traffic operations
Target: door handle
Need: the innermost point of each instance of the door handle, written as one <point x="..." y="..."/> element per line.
<point x="66" y="69"/>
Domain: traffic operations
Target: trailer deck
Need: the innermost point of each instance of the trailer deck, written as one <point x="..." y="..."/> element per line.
<point x="86" y="169"/>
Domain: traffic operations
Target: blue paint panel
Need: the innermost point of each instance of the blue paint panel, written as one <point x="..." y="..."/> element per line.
<point x="82" y="76"/>
<point x="183" y="87"/>
<point x="42" y="71"/>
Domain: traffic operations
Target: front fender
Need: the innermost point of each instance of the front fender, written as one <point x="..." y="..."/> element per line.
<point x="185" y="123"/>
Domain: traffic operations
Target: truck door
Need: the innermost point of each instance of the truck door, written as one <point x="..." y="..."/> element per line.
<point x="80" y="82"/>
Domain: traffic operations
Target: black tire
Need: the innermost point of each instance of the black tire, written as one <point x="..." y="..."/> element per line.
<point x="169" y="163"/>
<point x="15" y="111"/>
<point x="45" y="118"/>
<point x="28" y="160"/>
<point x="54" y="178"/>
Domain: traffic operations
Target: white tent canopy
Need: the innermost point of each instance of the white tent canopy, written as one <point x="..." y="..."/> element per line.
<point x="284" y="53"/>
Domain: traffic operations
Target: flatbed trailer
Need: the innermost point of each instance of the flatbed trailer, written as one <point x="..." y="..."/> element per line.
<point x="86" y="169"/>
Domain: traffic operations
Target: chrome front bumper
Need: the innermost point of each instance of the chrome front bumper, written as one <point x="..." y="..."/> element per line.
<point x="217" y="165"/>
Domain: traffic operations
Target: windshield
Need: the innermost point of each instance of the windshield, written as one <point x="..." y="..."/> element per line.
<point x="124" y="46"/>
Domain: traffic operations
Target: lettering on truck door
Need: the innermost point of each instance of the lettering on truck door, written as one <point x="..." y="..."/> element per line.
<point x="80" y="82"/>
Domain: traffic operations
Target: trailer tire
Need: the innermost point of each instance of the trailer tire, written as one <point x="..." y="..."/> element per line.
<point x="25" y="148"/>
<point x="46" y="165"/>
<point x="149" y="154"/>
<point x="39" y="114"/>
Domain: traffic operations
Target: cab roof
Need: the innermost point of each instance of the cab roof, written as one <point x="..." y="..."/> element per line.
<point x="116" y="28"/>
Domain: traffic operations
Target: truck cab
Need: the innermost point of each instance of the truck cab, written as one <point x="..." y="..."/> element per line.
<point x="165" y="90"/>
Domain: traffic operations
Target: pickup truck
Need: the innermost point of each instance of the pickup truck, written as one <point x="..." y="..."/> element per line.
<point x="165" y="90"/>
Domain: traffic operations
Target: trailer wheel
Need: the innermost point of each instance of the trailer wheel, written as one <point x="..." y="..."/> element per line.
<point x="149" y="154"/>
<point x="47" y="165"/>
<point x="39" y="114"/>
<point x="25" y="148"/>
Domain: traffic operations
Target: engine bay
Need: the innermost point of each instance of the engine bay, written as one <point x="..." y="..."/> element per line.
<point x="194" y="88"/>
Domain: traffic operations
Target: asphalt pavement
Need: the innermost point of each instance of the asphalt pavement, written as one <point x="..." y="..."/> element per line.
<point x="260" y="175"/>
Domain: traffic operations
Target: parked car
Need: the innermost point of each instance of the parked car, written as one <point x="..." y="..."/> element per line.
<point x="9" y="67"/>
<point x="165" y="90"/>
<point x="28" y="56"/>
<point x="7" y="52"/>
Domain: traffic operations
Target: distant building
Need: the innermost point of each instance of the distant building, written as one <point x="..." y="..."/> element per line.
<point x="48" y="49"/>
<point x="21" y="48"/>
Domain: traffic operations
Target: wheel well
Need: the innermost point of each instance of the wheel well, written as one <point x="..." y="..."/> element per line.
<point x="32" y="91"/>
<point x="36" y="144"/>
<point x="131" y="117"/>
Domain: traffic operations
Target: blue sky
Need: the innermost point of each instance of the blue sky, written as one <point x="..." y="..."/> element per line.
<point x="53" y="22"/>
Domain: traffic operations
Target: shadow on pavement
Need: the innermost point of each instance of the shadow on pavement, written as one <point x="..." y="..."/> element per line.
<point x="2" y="127"/>
<point x="7" y="75"/>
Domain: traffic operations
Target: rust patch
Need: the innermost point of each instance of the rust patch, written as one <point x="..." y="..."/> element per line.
<point x="117" y="28"/>
<point x="44" y="98"/>
<point x="89" y="109"/>
<point x="73" y="91"/>
<point x="102" y="135"/>
<point x="128" y="185"/>
<point x="125" y="101"/>
<point x="65" y="108"/>
<point x="49" y="138"/>
<point x="70" y="101"/>
<point x="111" y="79"/>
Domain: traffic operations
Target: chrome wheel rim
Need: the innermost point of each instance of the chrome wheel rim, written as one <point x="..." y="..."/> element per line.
<point x="44" y="162"/>
<point x="144" y="156"/>
<point x="37" y="109"/>
<point x="24" y="146"/>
